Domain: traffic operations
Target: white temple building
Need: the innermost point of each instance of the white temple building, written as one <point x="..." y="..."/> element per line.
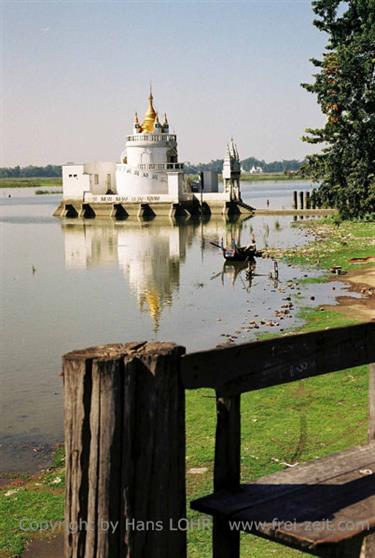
<point x="149" y="179"/>
<point x="149" y="166"/>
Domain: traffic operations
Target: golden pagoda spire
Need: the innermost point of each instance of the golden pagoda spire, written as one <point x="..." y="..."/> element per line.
<point x="150" y="116"/>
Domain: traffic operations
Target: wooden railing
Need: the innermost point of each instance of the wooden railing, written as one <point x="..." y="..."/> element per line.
<point x="125" y="432"/>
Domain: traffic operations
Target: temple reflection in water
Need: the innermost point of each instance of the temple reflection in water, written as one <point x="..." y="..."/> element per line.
<point x="149" y="254"/>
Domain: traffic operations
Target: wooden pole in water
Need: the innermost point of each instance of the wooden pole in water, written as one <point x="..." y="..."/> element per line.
<point x="301" y="194"/>
<point x="295" y="196"/>
<point x="313" y="199"/>
<point x="125" y="451"/>
<point x="308" y="204"/>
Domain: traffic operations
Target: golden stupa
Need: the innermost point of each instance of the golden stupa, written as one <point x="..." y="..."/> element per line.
<point x="150" y="116"/>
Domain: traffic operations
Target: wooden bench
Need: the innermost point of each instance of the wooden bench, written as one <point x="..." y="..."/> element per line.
<point x="325" y="507"/>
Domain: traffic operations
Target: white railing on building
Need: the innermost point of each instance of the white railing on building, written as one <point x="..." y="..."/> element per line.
<point x="161" y="166"/>
<point x="152" y="137"/>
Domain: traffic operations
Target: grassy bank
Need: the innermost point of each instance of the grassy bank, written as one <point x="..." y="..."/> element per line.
<point x="333" y="244"/>
<point x="285" y="424"/>
<point x="30" y="182"/>
<point x="278" y="176"/>
<point x="29" y="499"/>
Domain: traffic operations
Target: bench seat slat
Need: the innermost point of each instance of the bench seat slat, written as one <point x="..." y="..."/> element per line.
<point x="335" y="491"/>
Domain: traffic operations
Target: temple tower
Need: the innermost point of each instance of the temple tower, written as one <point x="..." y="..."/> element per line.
<point x="232" y="172"/>
<point x="150" y="157"/>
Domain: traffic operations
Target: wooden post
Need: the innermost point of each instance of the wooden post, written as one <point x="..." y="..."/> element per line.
<point x="295" y="199"/>
<point x="125" y="452"/>
<point x="227" y="471"/>
<point x="369" y="544"/>
<point x="301" y="198"/>
<point x="371" y="403"/>
<point x="313" y="199"/>
<point x="308" y="200"/>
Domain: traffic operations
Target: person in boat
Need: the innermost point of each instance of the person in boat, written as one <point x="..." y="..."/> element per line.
<point x="251" y="248"/>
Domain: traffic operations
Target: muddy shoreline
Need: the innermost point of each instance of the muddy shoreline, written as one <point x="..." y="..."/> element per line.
<point x="361" y="281"/>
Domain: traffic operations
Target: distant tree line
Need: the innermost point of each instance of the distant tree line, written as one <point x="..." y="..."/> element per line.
<point x="216" y="165"/>
<point x="247" y="164"/>
<point x="30" y="171"/>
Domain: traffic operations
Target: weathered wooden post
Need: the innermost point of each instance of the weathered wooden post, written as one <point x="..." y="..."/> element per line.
<point x="301" y="198"/>
<point x="295" y="199"/>
<point x="125" y="452"/>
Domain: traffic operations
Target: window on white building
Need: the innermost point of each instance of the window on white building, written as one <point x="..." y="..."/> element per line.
<point x="96" y="178"/>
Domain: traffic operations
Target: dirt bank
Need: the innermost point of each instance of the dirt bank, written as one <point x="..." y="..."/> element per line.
<point x="52" y="548"/>
<point x="359" y="281"/>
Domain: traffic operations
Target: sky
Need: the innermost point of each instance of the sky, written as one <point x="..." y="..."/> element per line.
<point x="73" y="73"/>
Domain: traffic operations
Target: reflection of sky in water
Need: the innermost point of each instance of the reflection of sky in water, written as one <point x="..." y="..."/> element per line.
<point x="115" y="282"/>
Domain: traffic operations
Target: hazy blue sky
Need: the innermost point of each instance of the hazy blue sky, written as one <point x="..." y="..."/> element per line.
<point x="73" y="73"/>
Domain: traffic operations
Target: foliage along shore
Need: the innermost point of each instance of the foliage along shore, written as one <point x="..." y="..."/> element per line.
<point x="34" y="182"/>
<point x="47" y="182"/>
<point x="310" y="419"/>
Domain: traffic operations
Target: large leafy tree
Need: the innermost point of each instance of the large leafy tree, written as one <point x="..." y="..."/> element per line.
<point x="345" y="89"/>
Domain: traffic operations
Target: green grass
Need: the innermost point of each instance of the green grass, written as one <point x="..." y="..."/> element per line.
<point x="333" y="244"/>
<point x="25" y="502"/>
<point x="30" y="182"/>
<point x="278" y="176"/>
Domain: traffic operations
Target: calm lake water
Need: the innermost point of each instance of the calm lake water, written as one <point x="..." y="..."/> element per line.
<point x="67" y="285"/>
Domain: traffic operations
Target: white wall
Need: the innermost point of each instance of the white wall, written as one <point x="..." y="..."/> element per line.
<point x="102" y="176"/>
<point x="143" y="183"/>
<point x="75" y="182"/>
<point x="145" y="155"/>
<point x="149" y="151"/>
<point x="176" y="185"/>
<point x="88" y="177"/>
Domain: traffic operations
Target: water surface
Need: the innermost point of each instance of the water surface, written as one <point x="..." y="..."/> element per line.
<point x="68" y="284"/>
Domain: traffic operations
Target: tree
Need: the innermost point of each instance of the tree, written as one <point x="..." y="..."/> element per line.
<point x="345" y="89"/>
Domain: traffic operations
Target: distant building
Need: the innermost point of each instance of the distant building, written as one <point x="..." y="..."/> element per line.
<point x="256" y="170"/>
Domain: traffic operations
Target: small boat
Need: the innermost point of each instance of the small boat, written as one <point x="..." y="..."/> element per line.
<point x="241" y="254"/>
<point x="236" y="253"/>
